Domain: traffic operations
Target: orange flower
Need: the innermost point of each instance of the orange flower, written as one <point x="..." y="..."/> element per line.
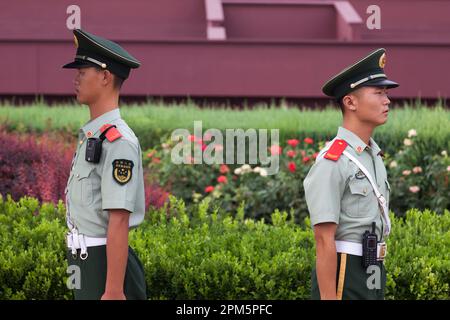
<point x="308" y="141"/>
<point x="293" y="142"/>
<point x="224" y="169"/>
<point x="292" y="167"/>
<point x="222" y="179"/>
<point x="290" y="153"/>
<point x="209" y="189"/>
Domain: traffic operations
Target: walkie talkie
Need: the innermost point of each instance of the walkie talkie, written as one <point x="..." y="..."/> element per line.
<point x="369" y="247"/>
<point x="94" y="147"/>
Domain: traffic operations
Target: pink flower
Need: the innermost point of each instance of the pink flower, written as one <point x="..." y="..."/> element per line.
<point x="305" y="159"/>
<point x="224" y="169"/>
<point x="290" y="153"/>
<point x="293" y="142"/>
<point x="406" y="172"/>
<point x="308" y="140"/>
<point x="292" y="167"/>
<point x="275" y="150"/>
<point x="222" y="179"/>
<point x="417" y="170"/>
<point x="414" y="189"/>
<point x="204" y="146"/>
<point x="209" y="189"/>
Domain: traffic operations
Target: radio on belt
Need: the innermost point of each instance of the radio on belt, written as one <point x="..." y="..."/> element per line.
<point x="369" y="247"/>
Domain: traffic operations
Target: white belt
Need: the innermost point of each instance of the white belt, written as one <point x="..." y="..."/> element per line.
<point x="80" y="241"/>
<point x="356" y="248"/>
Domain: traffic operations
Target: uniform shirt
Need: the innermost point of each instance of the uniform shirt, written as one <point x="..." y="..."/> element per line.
<point x="336" y="191"/>
<point x="92" y="188"/>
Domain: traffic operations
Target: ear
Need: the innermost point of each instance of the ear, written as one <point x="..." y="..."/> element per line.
<point x="107" y="77"/>
<point x="350" y="102"/>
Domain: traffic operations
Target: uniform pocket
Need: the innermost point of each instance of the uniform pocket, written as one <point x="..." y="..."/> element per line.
<point x="82" y="186"/>
<point x="361" y="198"/>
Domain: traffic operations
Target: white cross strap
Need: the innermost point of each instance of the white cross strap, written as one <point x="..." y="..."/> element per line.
<point x="381" y="199"/>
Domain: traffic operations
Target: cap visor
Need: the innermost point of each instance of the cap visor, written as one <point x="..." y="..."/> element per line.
<point x="381" y="83"/>
<point x="78" y="64"/>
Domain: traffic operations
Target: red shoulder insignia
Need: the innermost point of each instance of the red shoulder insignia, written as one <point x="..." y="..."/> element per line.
<point x="336" y="150"/>
<point x="112" y="134"/>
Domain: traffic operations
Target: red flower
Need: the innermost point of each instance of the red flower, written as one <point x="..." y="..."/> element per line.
<point x="315" y="155"/>
<point x="156" y="160"/>
<point x="209" y="189"/>
<point x="292" y="167"/>
<point x="151" y="153"/>
<point x="293" y="142"/>
<point x="224" y="169"/>
<point x="275" y="150"/>
<point x="308" y="141"/>
<point x="203" y="146"/>
<point x="222" y="179"/>
<point x="192" y="138"/>
<point x="290" y="153"/>
<point x="306" y="159"/>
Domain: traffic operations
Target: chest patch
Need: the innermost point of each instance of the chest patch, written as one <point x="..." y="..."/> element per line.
<point x="360" y="174"/>
<point x="122" y="170"/>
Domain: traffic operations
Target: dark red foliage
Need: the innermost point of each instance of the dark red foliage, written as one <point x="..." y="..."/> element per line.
<point x="38" y="166"/>
<point x="155" y="196"/>
<point x="34" y="166"/>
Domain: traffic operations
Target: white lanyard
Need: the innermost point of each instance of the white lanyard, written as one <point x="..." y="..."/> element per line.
<point x="381" y="199"/>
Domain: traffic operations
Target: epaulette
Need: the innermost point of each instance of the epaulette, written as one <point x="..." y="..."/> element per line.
<point x="336" y="150"/>
<point x="112" y="134"/>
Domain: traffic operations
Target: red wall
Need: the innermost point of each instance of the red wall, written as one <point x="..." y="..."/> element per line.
<point x="284" y="50"/>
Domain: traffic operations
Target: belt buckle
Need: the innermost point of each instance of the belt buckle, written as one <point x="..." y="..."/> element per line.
<point x="382" y="252"/>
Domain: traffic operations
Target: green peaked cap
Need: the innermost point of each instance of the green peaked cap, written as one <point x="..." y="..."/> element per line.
<point x="368" y="71"/>
<point x="96" y="51"/>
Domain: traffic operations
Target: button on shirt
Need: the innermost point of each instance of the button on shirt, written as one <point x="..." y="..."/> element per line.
<point x="92" y="189"/>
<point x="337" y="191"/>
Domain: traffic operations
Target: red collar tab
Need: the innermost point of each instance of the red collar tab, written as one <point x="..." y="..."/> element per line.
<point x="336" y="150"/>
<point x="112" y="134"/>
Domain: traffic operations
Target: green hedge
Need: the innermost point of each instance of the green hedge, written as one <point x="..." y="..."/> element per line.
<point x="151" y="122"/>
<point x="214" y="255"/>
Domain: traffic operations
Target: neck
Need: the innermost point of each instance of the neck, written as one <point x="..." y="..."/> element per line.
<point x="363" y="131"/>
<point x="103" y="105"/>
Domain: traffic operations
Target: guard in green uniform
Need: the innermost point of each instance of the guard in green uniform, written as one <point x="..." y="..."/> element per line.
<point x="347" y="191"/>
<point x="105" y="190"/>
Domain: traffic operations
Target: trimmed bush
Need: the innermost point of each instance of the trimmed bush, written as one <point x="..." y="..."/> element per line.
<point x="210" y="254"/>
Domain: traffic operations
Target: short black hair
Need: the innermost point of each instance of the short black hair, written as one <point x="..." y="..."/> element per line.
<point x="117" y="81"/>
<point x="340" y="103"/>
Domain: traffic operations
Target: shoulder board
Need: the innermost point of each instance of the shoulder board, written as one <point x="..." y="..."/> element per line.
<point x="336" y="150"/>
<point x="112" y="134"/>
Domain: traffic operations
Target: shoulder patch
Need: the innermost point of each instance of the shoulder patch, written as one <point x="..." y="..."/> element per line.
<point x="112" y="134"/>
<point x="122" y="170"/>
<point x="336" y="150"/>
